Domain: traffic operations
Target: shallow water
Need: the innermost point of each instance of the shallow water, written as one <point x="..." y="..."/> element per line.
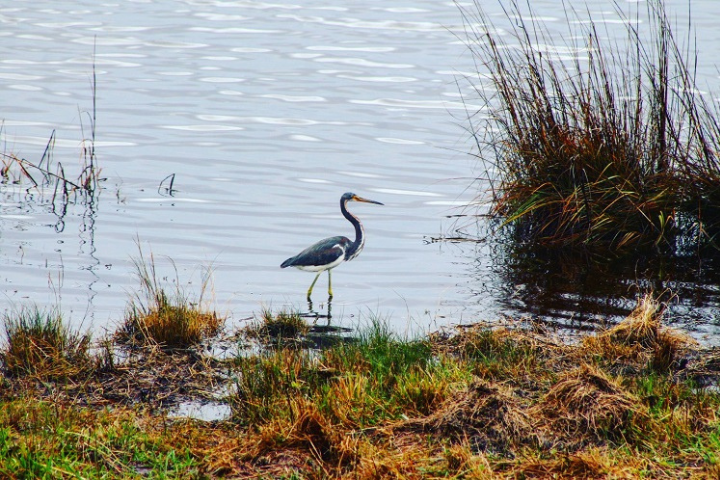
<point x="266" y="113"/>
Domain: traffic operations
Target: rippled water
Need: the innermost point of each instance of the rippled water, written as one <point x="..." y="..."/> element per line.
<point x="266" y="113"/>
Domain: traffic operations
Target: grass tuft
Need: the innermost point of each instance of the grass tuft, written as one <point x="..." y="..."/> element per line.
<point x="173" y="323"/>
<point x="358" y="382"/>
<point x="40" y="344"/>
<point x="279" y="327"/>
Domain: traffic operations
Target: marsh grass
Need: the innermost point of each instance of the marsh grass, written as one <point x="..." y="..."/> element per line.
<point x="40" y="344"/>
<point x="612" y="150"/>
<point x="475" y="402"/>
<point x="171" y="322"/>
<point x="587" y="402"/>
<point x="357" y="383"/>
<point x="493" y="401"/>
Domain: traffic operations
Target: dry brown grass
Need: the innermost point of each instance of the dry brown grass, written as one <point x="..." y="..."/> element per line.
<point x="172" y="326"/>
<point x="592" y="463"/>
<point x="311" y="432"/>
<point x="489" y="416"/>
<point x="587" y="406"/>
<point x="640" y="337"/>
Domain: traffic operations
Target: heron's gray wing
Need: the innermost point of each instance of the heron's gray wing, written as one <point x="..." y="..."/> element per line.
<point x="323" y="252"/>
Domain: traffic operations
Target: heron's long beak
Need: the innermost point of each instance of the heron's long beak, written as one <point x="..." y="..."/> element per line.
<point x="365" y="200"/>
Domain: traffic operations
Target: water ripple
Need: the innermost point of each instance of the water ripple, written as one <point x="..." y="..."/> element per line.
<point x="414" y="193"/>
<point x="369" y="49"/>
<point x="394" y="102"/>
<point x="203" y="128"/>
<point x="361" y="62"/>
<point x="399" y="141"/>
<point x="221" y="80"/>
<point x="295" y="98"/>
<point x="19" y="76"/>
<point x="379" y="79"/>
<point x="230" y="30"/>
<point x="371" y="25"/>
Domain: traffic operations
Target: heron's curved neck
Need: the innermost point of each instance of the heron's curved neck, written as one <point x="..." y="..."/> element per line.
<point x="359" y="242"/>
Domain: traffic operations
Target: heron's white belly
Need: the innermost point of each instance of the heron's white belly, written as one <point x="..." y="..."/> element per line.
<point x="321" y="268"/>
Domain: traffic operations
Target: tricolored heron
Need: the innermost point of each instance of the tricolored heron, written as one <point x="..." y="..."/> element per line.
<point x="331" y="252"/>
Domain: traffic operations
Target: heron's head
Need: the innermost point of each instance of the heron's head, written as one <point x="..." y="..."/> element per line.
<point x="351" y="197"/>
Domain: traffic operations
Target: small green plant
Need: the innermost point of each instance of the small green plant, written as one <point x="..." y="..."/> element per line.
<point x="40" y="343"/>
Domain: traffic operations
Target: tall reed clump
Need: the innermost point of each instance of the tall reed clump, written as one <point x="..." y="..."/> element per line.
<point x="40" y="344"/>
<point x="156" y="318"/>
<point x="610" y="146"/>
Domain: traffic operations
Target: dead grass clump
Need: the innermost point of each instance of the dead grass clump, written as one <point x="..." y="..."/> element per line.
<point x="306" y="434"/>
<point x="591" y="463"/>
<point x="487" y="416"/>
<point x="41" y="344"/>
<point x="587" y="406"/>
<point x="641" y="327"/>
<point x="316" y="433"/>
<point x="640" y="337"/>
<point x="512" y="342"/>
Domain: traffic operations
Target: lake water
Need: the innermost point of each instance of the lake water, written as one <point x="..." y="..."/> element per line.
<point x="265" y="113"/>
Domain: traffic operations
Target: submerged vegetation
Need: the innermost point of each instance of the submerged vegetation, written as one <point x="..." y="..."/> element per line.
<point x="613" y="149"/>
<point x="57" y="189"/>
<point x="475" y="402"/>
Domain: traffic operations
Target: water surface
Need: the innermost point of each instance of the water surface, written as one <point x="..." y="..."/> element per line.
<point x="266" y="113"/>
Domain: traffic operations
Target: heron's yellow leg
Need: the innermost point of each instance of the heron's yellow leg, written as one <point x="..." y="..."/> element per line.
<point x="330" y="284"/>
<point x="312" y="285"/>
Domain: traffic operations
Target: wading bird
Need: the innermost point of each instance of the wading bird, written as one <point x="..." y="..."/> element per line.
<point x="331" y="252"/>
